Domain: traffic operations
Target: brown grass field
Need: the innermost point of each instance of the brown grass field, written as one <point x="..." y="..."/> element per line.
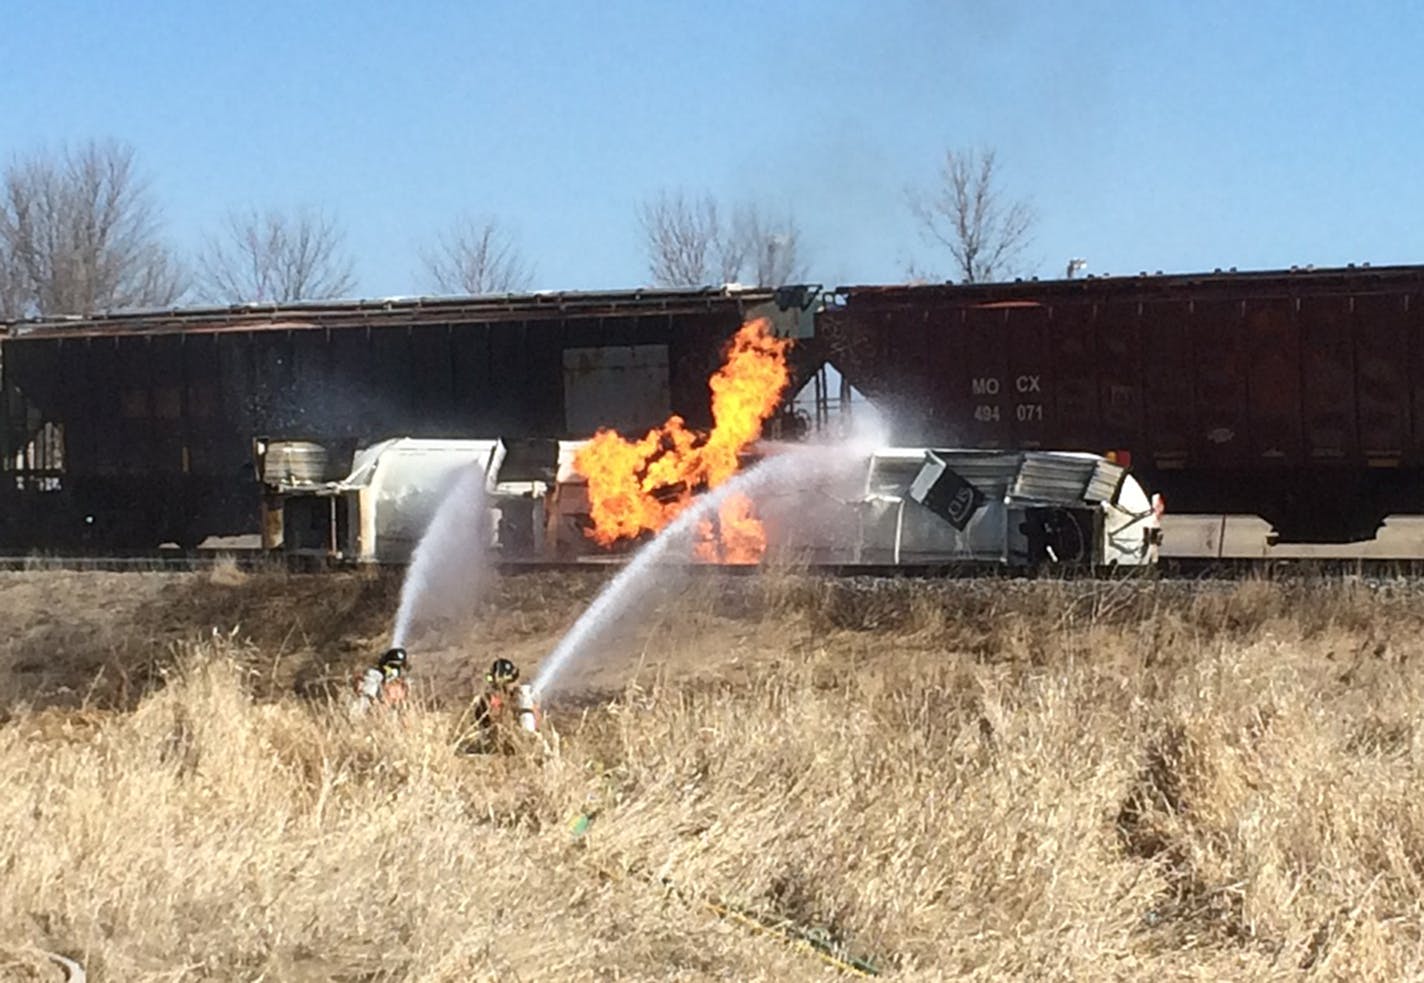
<point x="983" y="780"/>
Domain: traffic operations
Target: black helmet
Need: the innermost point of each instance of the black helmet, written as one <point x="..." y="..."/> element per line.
<point x="502" y="671"/>
<point x="394" y="659"/>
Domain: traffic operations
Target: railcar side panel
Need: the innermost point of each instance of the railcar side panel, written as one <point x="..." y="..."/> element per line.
<point x="136" y="452"/>
<point x="933" y="347"/>
<point x="87" y="367"/>
<point x="1119" y="357"/>
<point x="206" y="434"/>
<point x="1328" y="374"/>
<point x="1028" y="382"/>
<point x="236" y="398"/>
<point x="539" y="404"/>
<point x="986" y="341"/>
<point x="1169" y="402"/>
<point x="470" y="388"/>
<point x="945" y="373"/>
<point x="431" y="367"/>
<point x="1413" y="358"/>
<point x="1218" y="348"/>
<point x="1075" y="376"/>
<point x="169" y="420"/>
<point x="1273" y="381"/>
<point x="1381" y="379"/>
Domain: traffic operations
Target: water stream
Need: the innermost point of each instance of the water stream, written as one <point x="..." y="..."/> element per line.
<point x="801" y="464"/>
<point x="450" y="564"/>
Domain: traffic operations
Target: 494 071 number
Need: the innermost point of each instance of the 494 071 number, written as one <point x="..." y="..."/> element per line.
<point x="1023" y="412"/>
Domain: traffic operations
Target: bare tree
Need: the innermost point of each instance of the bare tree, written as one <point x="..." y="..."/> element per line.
<point x="986" y="233"/>
<point x="760" y="251"/>
<point x="277" y="257"/>
<point x="14" y="289"/>
<point x="682" y="237"/>
<point x="79" y="233"/>
<point x="688" y="241"/>
<point x="477" y="256"/>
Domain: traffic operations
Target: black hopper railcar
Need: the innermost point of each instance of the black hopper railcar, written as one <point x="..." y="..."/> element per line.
<point x="132" y="430"/>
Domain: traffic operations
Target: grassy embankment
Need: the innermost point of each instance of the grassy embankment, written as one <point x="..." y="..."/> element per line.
<point x="1026" y="780"/>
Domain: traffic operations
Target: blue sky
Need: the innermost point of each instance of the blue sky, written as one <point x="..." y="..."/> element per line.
<point x="1164" y="136"/>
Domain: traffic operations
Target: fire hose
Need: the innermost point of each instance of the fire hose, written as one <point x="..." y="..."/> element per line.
<point x="797" y="936"/>
<point x="73" y="972"/>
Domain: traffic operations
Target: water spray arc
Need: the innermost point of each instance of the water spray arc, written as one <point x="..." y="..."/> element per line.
<point x="613" y="600"/>
<point x="449" y="565"/>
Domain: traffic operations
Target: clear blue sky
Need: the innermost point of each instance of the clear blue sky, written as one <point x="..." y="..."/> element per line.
<point x="1148" y="136"/>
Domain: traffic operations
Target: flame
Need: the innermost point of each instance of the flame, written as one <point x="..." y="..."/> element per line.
<point x="736" y="537"/>
<point x="638" y="486"/>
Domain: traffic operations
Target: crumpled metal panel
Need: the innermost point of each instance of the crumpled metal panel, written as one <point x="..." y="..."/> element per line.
<point x="944" y="492"/>
<point x="992" y="472"/>
<point x="1061" y="479"/>
<point x="1106" y="480"/>
<point x="289" y="463"/>
<point x="1032" y="477"/>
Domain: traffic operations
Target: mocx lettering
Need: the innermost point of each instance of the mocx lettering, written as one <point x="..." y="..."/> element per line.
<point x="985" y="386"/>
<point x="1027" y="384"/>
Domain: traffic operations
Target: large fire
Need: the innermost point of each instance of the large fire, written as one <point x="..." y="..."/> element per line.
<point x="638" y="486"/>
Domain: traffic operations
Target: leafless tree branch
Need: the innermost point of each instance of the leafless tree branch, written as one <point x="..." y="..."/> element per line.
<point x="79" y="233"/>
<point x="477" y="256"/>
<point x="14" y="289"/>
<point x="688" y="240"/>
<point x="986" y="234"/>
<point x="682" y="237"/>
<point x="271" y="256"/>
<point x="763" y="252"/>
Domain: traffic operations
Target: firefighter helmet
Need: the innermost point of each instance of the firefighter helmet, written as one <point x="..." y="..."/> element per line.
<point x="502" y="671"/>
<point x="394" y="660"/>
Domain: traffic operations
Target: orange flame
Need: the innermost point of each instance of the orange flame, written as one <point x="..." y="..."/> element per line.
<point x="640" y="486"/>
<point x="737" y="536"/>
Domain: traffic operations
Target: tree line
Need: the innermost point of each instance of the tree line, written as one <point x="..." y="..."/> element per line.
<point x="81" y="233"/>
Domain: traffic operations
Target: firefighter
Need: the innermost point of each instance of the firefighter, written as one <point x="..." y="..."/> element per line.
<point x="504" y="699"/>
<point x="384" y="683"/>
<point x="502" y="709"/>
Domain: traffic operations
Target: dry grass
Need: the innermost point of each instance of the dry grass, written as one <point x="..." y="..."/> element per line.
<point x="987" y="780"/>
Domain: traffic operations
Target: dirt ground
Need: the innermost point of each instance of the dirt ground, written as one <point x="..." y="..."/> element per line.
<point x="101" y="640"/>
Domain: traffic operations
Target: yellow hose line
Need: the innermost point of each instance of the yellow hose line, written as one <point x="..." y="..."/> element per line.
<point x="758" y="925"/>
<point x="787" y="931"/>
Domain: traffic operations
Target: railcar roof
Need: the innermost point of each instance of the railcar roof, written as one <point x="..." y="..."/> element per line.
<point x="1362" y="278"/>
<point x="405" y="311"/>
<point x="395" y="311"/>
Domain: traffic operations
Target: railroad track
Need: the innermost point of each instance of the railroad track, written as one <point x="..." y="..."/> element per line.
<point x="149" y="561"/>
<point x="1170" y="568"/>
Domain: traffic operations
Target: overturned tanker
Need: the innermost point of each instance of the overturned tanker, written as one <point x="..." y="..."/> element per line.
<point x="894" y="506"/>
<point x="919" y="506"/>
<point x="376" y="513"/>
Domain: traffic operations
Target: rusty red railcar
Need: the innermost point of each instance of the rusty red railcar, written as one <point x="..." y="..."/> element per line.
<point x="1297" y="395"/>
